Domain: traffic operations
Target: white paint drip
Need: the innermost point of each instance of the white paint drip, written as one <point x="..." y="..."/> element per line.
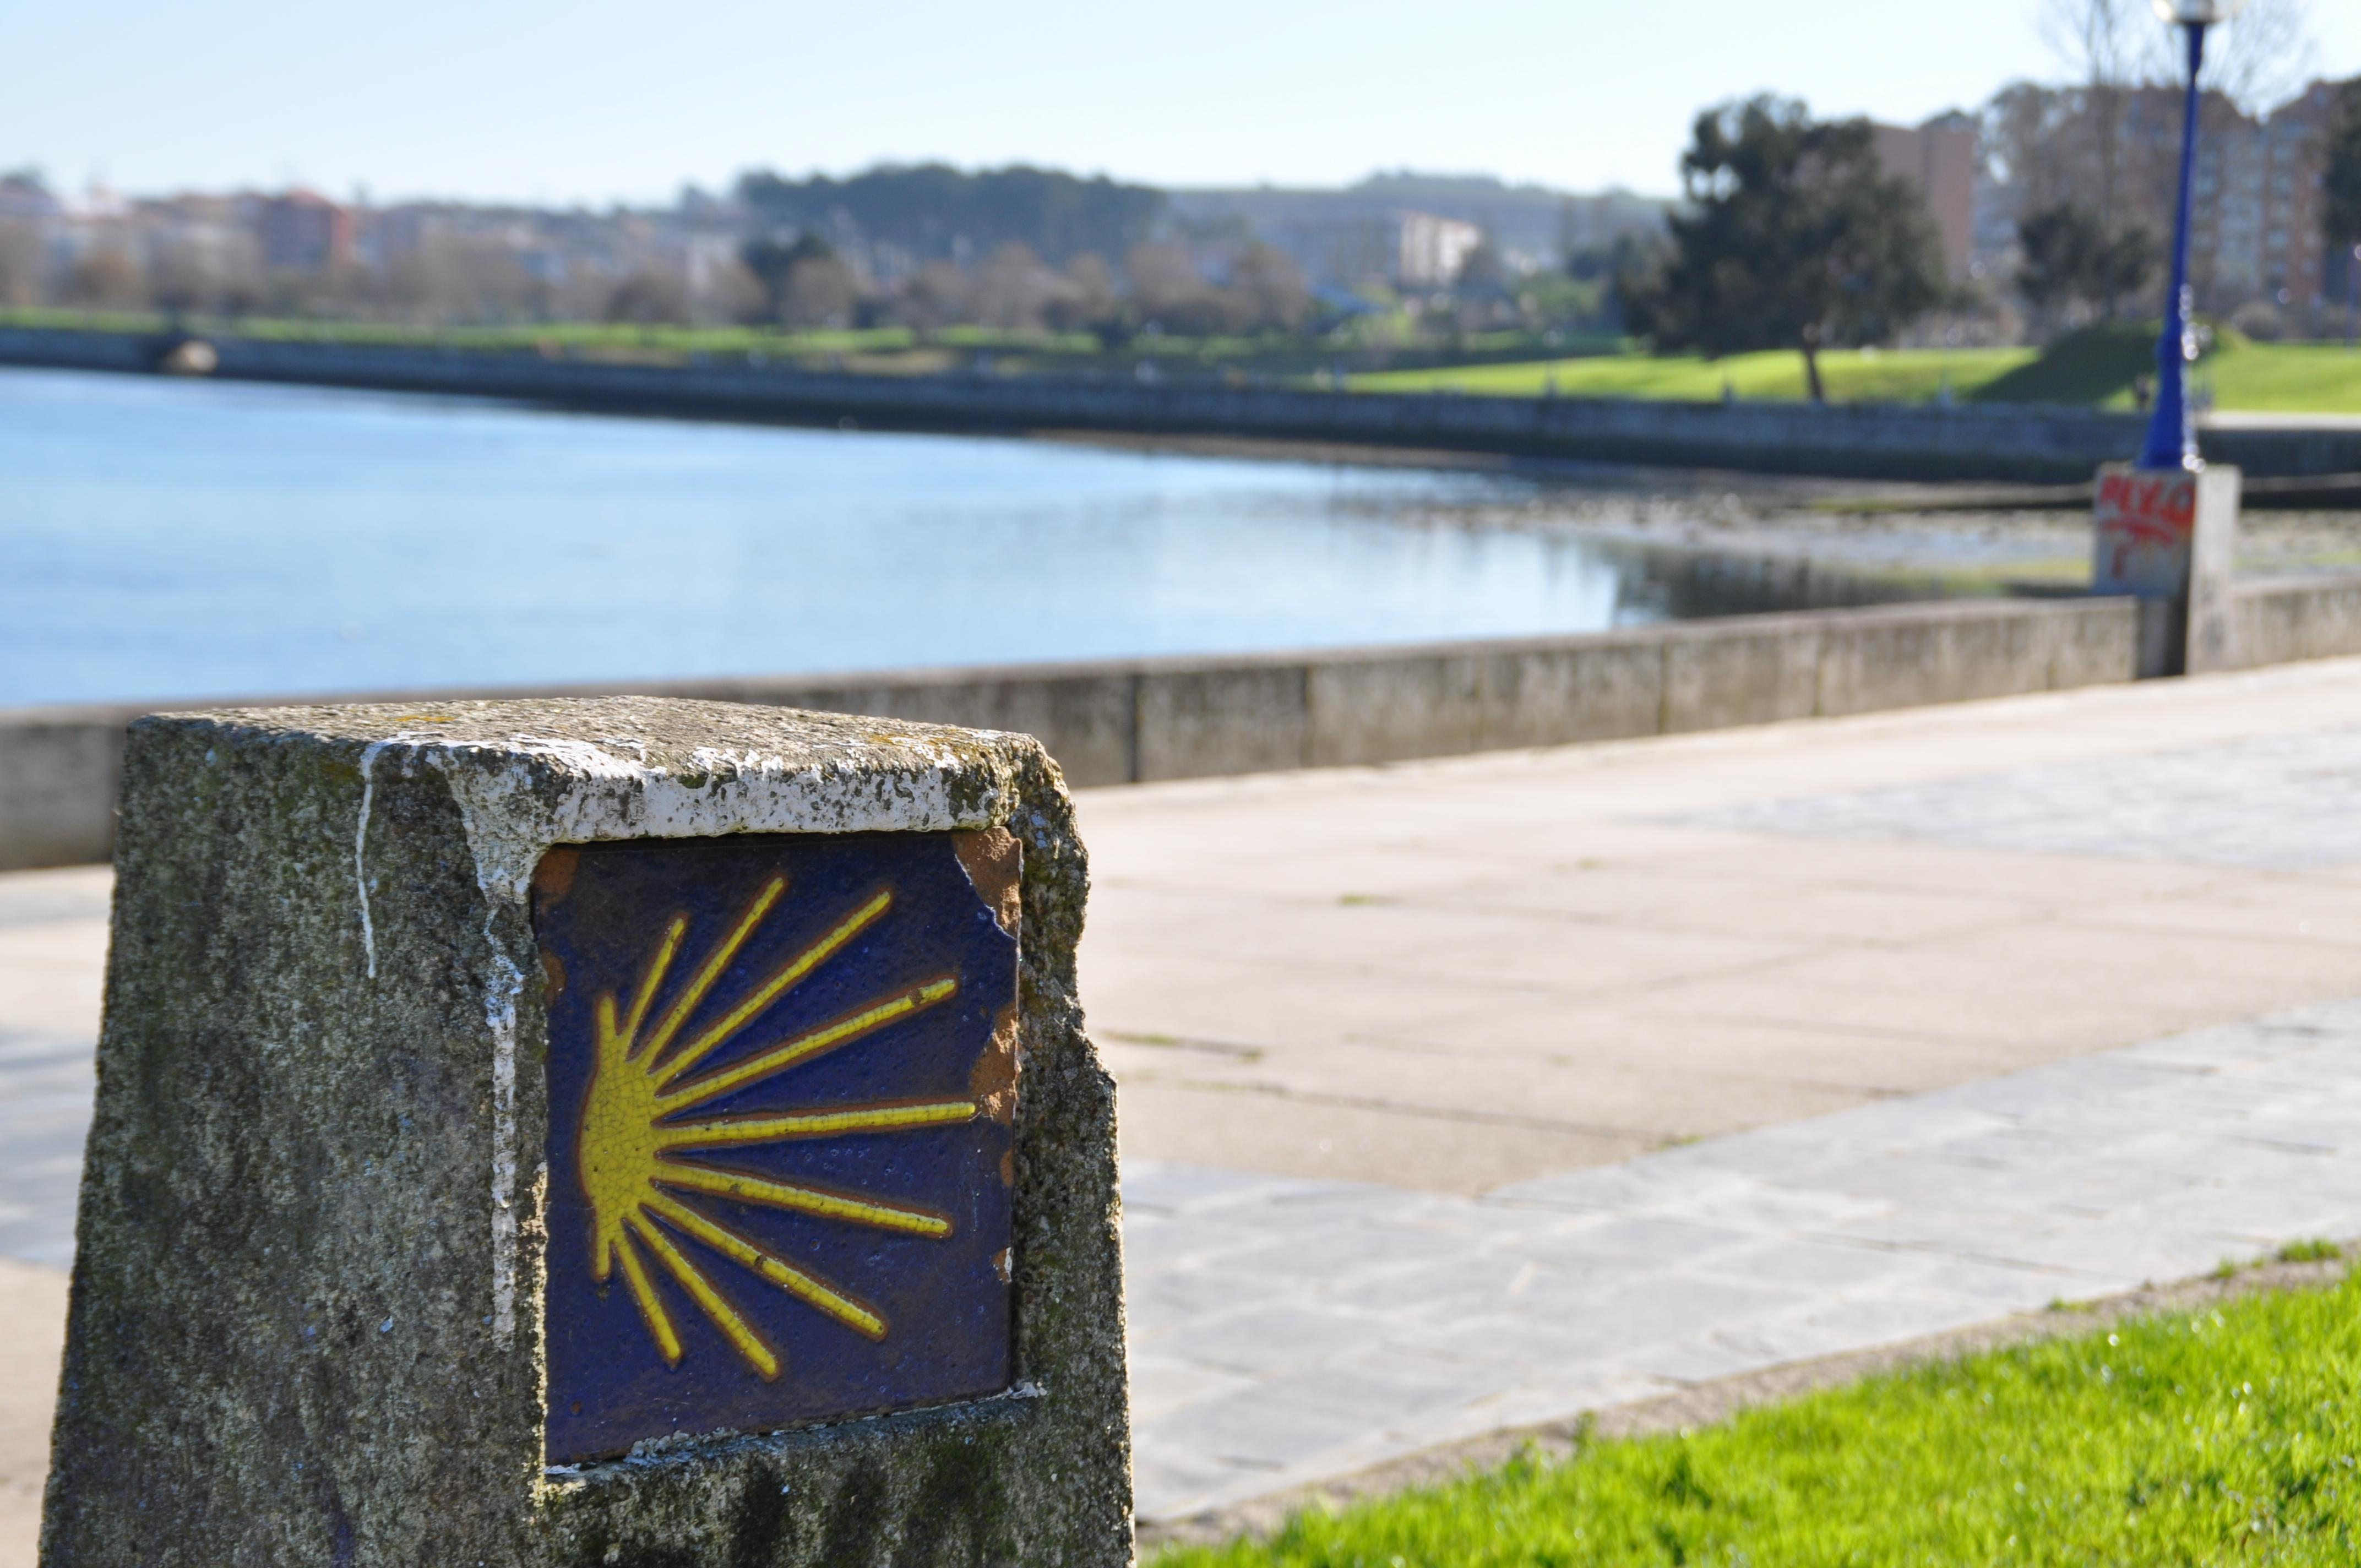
<point x="360" y="837"/>
<point x="501" y="1017"/>
<point x="513" y="811"/>
<point x="360" y="842"/>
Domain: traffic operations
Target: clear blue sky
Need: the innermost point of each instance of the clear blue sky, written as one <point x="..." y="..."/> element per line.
<point x="599" y="100"/>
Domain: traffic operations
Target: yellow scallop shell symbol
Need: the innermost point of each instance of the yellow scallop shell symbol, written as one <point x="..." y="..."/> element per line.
<point x="638" y="1123"/>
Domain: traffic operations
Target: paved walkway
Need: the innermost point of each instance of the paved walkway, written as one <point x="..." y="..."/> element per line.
<point x="1479" y="1093"/>
<point x="52" y="951"/>
<point x="1450" y="975"/>
<point x="52" y="960"/>
<point x="1285" y="1332"/>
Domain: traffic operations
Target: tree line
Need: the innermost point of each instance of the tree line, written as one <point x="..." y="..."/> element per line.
<point x="933" y="211"/>
<point x="1155" y="288"/>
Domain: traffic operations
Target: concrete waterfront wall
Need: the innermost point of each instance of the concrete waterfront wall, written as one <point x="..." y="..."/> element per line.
<point x="1144" y="720"/>
<point x="1171" y="719"/>
<point x="59" y="770"/>
<point x="2278" y="620"/>
<point x="1972" y="442"/>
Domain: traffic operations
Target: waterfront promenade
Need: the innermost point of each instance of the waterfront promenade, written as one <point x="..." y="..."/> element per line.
<point x="1466" y="1094"/>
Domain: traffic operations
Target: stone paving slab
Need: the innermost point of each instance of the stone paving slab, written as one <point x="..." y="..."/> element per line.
<point x="2286" y="803"/>
<point x="1458" y="974"/>
<point x="45" y="1096"/>
<point x="53" y="955"/>
<point x="1285" y="1332"/>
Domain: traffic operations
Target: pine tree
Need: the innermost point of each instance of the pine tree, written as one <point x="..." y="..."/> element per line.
<point x="1796" y="237"/>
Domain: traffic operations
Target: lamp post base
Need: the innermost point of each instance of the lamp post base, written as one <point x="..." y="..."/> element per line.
<point x="2169" y="535"/>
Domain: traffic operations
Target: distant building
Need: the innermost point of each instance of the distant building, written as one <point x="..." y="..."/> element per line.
<point x="1939" y="157"/>
<point x="2256" y="195"/>
<point x="1429" y="250"/>
<point x="1383" y="228"/>
<point x="24" y="197"/>
<point x="302" y="231"/>
<point x="383" y="235"/>
<point x="1595" y="224"/>
<point x="2257" y="202"/>
<point x="1408" y="249"/>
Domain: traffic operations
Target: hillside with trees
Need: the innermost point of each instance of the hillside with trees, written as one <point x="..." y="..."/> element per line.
<point x="935" y="213"/>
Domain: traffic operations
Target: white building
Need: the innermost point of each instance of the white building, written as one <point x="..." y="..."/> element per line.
<point x="1430" y="250"/>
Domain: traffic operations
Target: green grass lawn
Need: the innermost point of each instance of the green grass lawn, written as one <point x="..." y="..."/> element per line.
<point x="2229" y="1434"/>
<point x="1851" y="375"/>
<point x="2095" y="368"/>
<point x="2287" y="378"/>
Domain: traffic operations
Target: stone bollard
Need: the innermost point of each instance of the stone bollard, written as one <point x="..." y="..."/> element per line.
<point x="629" y="1131"/>
<point x="2170" y="537"/>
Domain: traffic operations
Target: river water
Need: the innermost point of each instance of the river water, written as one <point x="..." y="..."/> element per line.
<point x="163" y="539"/>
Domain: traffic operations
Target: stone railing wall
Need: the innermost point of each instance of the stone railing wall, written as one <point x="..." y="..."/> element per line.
<point x="1136" y="722"/>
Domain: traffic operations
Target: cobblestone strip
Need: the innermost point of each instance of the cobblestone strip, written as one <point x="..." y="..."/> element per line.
<point x="1285" y="1331"/>
<point x="45" y="1090"/>
<point x="2272" y="803"/>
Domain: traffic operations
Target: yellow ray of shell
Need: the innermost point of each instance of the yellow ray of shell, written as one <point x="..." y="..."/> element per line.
<point x="610" y="1047"/>
<point x="806" y="1046"/>
<point x="770" y="990"/>
<point x="806" y="1288"/>
<point x="736" y="1330"/>
<point x="652" y="1307"/>
<point x="653" y="980"/>
<point x="723" y="952"/>
<point x="603" y="1248"/>
<point x="875" y="1118"/>
<point x="873" y="1213"/>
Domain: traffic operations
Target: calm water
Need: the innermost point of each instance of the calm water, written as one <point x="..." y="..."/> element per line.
<point x="169" y="539"/>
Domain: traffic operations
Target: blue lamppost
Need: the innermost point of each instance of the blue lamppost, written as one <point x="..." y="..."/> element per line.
<point x="2172" y="430"/>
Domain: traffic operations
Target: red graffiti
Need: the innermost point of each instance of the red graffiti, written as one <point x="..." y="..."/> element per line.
<point x="2163" y="503"/>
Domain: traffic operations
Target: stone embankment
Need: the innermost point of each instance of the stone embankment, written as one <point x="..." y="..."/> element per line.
<point x="1139" y="720"/>
<point x="1981" y="441"/>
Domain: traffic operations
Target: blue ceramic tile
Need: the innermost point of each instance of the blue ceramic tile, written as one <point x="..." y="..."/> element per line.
<point x="776" y="1195"/>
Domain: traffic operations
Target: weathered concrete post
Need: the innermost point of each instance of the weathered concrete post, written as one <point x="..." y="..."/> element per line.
<point x="594" y="1132"/>
<point x="2171" y="536"/>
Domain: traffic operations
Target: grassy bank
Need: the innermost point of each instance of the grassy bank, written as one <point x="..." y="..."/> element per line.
<point x="1851" y="375"/>
<point x="888" y="349"/>
<point x="2093" y="370"/>
<point x="2230" y="1433"/>
<point x="2288" y="377"/>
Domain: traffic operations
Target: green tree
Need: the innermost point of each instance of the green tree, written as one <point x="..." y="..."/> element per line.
<point x="935" y="211"/>
<point x="649" y="297"/>
<point x="1794" y="237"/>
<point x="1271" y="292"/>
<point x="774" y="263"/>
<point x="2070" y="257"/>
<point x="23" y="262"/>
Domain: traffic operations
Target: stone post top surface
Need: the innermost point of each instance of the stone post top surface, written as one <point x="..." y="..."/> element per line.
<point x="679" y="736"/>
<point x="528" y="775"/>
